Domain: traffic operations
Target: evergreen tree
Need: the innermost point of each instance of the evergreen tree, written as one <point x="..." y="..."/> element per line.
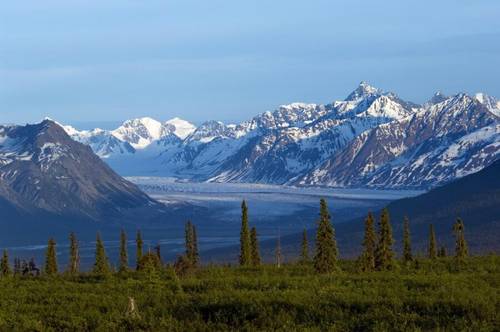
<point x="384" y="255"/>
<point x="369" y="243"/>
<point x="189" y="243"/>
<point x="196" y="254"/>
<point x="407" y="255"/>
<point x="325" y="258"/>
<point x="50" y="258"/>
<point x="304" y="251"/>
<point x="442" y="251"/>
<point x="432" y="243"/>
<point x="461" y="250"/>
<point x="277" y="252"/>
<point x="254" y="247"/>
<point x="4" y="264"/>
<point x="139" y="244"/>
<point x="245" y="254"/>
<point x="101" y="265"/>
<point x="123" y="252"/>
<point x="17" y="266"/>
<point x="74" y="254"/>
<point x="158" y="252"/>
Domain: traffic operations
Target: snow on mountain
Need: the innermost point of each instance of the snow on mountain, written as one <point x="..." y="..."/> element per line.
<point x="372" y="138"/>
<point x="181" y="128"/>
<point x="434" y="145"/>
<point x="139" y="132"/>
<point x="43" y="169"/>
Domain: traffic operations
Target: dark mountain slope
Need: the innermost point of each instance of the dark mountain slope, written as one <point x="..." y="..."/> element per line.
<point x="42" y="170"/>
<point x="474" y="198"/>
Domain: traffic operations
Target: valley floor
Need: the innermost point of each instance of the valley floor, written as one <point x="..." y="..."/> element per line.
<point x="428" y="296"/>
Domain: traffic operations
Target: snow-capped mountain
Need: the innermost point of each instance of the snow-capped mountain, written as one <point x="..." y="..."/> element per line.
<point x="447" y="140"/>
<point x="372" y="138"/>
<point x="133" y="135"/>
<point x="42" y="170"/>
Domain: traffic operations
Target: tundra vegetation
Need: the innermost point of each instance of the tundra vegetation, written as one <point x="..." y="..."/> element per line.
<point x="381" y="290"/>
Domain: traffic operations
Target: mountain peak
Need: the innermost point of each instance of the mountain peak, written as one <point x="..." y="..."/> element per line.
<point x="182" y="128"/>
<point x="437" y="98"/>
<point x="139" y="132"/>
<point x="363" y="90"/>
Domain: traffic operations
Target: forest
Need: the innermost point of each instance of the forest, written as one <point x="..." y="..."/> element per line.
<point x="381" y="290"/>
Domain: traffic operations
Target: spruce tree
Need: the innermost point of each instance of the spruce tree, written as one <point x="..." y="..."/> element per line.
<point x="17" y="266"/>
<point x="245" y="254"/>
<point x="384" y="255"/>
<point x="74" y="254"/>
<point x="4" y="264"/>
<point x="158" y="252"/>
<point x="50" y="258"/>
<point x="123" y="267"/>
<point x="407" y="255"/>
<point x="277" y="252"/>
<point x="432" y="243"/>
<point x="304" y="250"/>
<point x="461" y="250"/>
<point x="101" y="265"/>
<point x="189" y="242"/>
<point x="442" y="251"/>
<point x="139" y="244"/>
<point x="196" y="254"/>
<point x="369" y="243"/>
<point x="325" y="258"/>
<point x="254" y="247"/>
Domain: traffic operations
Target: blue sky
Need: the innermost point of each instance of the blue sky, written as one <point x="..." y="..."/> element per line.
<point x="85" y="60"/>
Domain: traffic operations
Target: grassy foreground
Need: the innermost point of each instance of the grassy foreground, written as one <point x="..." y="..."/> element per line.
<point x="429" y="296"/>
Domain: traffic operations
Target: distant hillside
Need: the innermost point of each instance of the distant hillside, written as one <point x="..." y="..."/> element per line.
<point x="475" y="198"/>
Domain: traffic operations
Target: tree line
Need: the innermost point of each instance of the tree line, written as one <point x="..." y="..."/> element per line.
<point x="144" y="261"/>
<point x="377" y="254"/>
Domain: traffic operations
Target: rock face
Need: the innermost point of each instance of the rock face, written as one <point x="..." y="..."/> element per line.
<point x="371" y="139"/>
<point x="43" y="169"/>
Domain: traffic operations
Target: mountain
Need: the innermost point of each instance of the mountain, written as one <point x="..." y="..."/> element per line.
<point x="43" y="172"/>
<point x="371" y="138"/>
<point x="447" y="140"/>
<point x="475" y="198"/>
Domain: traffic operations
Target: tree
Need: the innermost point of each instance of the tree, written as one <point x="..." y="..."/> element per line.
<point x="123" y="252"/>
<point x="304" y="251"/>
<point x="384" y="255"/>
<point x="139" y="243"/>
<point x="74" y="254"/>
<point x="4" y="264"/>
<point x="191" y="243"/>
<point x="432" y="243"/>
<point x="325" y="258"/>
<point x="369" y="243"/>
<point x="150" y="265"/>
<point x="196" y="254"/>
<point x="50" y="258"/>
<point x="277" y="252"/>
<point x="407" y="255"/>
<point x="17" y="266"/>
<point x="188" y="241"/>
<point x="461" y="250"/>
<point x="442" y="251"/>
<point x="254" y="247"/>
<point x="101" y="265"/>
<point x="245" y="254"/>
<point x="158" y="251"/>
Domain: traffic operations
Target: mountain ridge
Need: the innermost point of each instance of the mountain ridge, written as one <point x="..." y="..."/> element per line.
<point x="44" y="171"/>
<point x="313" y="144"/>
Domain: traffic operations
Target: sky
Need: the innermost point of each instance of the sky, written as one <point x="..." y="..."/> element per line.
<point x="89" y="61"/>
